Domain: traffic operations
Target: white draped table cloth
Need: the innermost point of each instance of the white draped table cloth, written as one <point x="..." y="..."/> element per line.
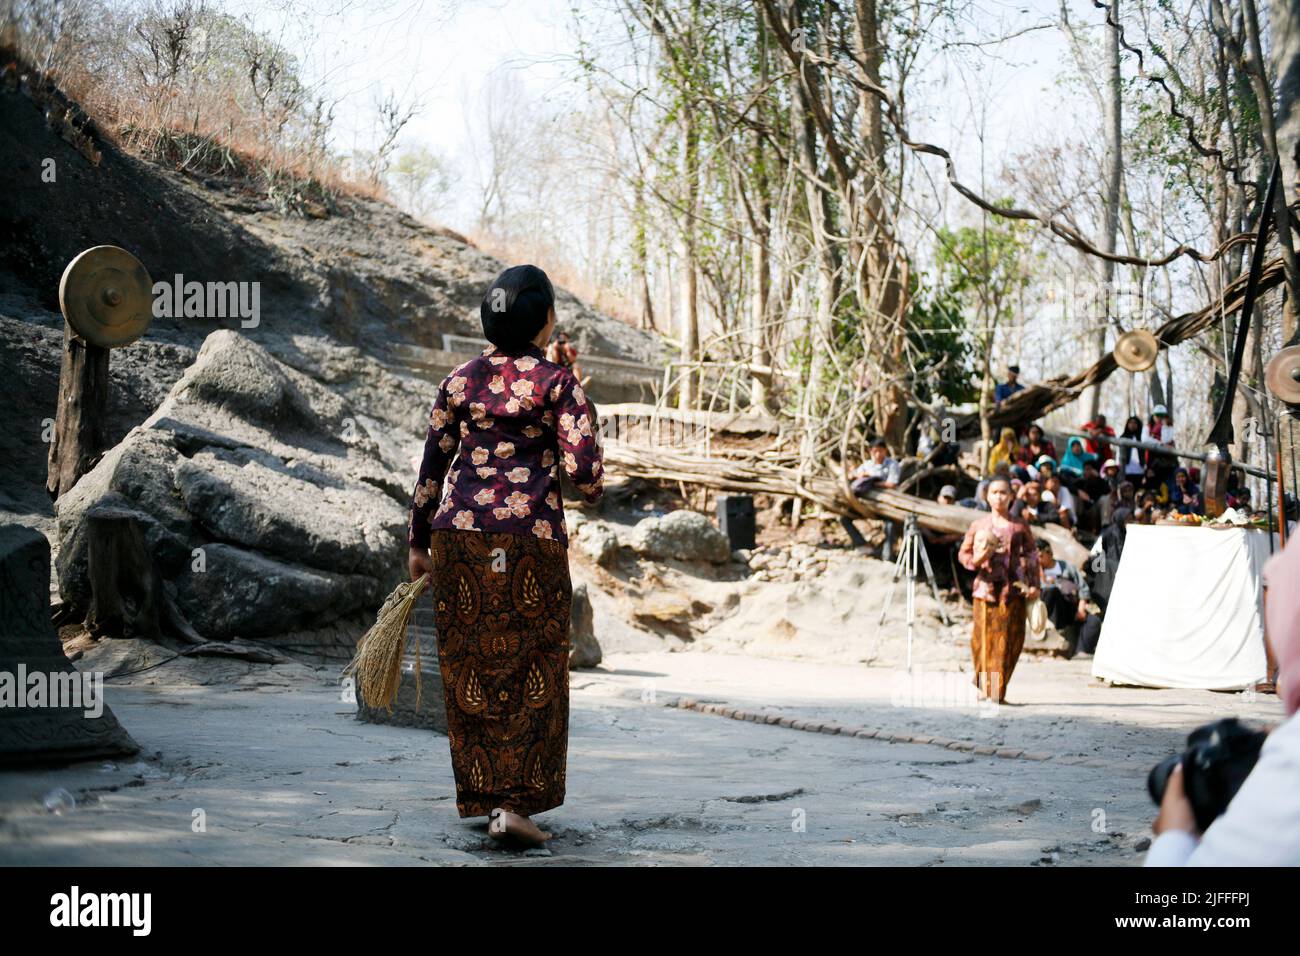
<point x="1186" y="609"/>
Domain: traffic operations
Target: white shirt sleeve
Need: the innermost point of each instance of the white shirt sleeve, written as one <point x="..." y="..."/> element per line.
<point x="1171" y="848"/>
<point x="1065" y="501"/>
<point x="1261" y="827"/>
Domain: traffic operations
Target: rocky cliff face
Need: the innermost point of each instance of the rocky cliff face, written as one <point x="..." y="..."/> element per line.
<point x="365" y="275"/>
<point x="281" y="449"/>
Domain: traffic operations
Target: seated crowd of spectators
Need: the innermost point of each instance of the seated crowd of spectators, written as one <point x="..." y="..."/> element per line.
<point x="1082" y="488"/>
<point x="1092" y="488"/>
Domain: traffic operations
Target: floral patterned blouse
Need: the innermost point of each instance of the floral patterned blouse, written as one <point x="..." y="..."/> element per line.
<point x="1017" y="561"/>
<point x="510" y="420"/>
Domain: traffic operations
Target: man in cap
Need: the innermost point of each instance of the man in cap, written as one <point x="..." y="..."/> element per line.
<point x="1044" y="468"/>
<point x="947" y="496"/>
<point x="942" y="545"/>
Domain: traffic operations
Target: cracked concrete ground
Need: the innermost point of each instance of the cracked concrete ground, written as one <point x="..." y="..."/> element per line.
<point x="279" y="771"/>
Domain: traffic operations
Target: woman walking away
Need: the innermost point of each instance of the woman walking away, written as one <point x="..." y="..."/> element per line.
<point x="1000" y="550"/>
<point x="487" y="525"/>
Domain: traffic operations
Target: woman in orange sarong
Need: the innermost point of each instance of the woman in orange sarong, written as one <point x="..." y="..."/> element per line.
<point x="1000" y="550"/>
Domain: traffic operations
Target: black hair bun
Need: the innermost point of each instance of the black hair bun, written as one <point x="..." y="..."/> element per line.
<point x="516" y="306"/>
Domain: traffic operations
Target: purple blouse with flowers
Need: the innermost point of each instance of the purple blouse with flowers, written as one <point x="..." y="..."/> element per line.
<point x="516" y="419"/>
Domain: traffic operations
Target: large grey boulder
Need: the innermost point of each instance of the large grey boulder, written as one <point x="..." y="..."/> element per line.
<point x="29" y="646"/>
<point x="262" y="500"/>
<point x="599" y="542"/>
<point x="683" y="536"/>
<point x="244" y="593"/>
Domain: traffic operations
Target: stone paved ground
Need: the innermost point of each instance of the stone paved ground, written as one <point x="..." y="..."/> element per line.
<point x="283" y="774"/>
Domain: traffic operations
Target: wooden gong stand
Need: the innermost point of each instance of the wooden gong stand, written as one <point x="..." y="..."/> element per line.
<point x="81" y="419"/>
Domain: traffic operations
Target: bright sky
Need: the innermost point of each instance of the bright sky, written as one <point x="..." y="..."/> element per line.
<point x="442" y="52"/>
<point x="439" y="52"/>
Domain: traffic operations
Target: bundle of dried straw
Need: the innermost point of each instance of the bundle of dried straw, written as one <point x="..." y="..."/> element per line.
<point x="377" y="665"/>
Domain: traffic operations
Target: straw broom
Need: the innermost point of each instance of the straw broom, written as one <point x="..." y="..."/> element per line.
<point x="377" y="665"/>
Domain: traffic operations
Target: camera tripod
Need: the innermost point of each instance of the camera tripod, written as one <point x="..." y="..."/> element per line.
<point x="912" y="549"/>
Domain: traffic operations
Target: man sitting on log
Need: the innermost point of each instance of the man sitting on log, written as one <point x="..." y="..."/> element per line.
<point x="942" y="545"/>
<point x="879" y="471"/>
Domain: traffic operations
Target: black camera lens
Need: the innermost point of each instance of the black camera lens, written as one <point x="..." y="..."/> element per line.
<point x="1158" y="778"/>
<point x="1218" y="759"/>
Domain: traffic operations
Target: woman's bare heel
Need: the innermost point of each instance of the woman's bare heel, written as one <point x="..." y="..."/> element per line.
<point x="502" y="824"/>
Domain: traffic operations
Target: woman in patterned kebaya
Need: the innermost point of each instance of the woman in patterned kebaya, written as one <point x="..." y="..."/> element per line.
<point x="487" y="525"/>
<point x="1000" y="549"/>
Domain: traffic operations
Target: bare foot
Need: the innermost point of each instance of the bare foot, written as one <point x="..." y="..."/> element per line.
<point x="503" y="824"/>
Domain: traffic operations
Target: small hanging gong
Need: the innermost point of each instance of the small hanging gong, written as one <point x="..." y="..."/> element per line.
<point x="1136" y="351"/>
<point x="106" y="296"/>
<point x="1282" y="375"/>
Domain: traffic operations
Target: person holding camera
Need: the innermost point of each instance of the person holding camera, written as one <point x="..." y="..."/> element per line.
<point x="1261" y="823"/>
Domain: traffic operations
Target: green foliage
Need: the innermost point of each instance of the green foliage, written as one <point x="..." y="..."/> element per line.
<point x="939" y="333"/>
<point x="979" y="272"/>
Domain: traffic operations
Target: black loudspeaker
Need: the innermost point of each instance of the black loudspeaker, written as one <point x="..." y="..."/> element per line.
<point x="736" y="519"/>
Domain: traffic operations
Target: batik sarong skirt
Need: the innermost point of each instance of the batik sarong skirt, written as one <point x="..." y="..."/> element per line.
<point x="502" y="604"/>
<point x="996" y="640"/>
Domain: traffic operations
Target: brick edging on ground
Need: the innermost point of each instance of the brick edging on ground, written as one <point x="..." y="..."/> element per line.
<point x="886" y="736"/>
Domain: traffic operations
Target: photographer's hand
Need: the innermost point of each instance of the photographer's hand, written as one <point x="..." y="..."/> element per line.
<point x="1175" y="809"/>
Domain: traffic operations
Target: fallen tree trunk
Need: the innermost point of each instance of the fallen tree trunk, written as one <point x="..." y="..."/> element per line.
<point x="1034" y="401"/>
<point x="759" y="477"/>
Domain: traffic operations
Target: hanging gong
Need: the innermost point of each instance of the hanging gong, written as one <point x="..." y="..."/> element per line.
<point x="1282" y="375"/>
<point x="107" y="296"/>
<point x="1136" y="351"/>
